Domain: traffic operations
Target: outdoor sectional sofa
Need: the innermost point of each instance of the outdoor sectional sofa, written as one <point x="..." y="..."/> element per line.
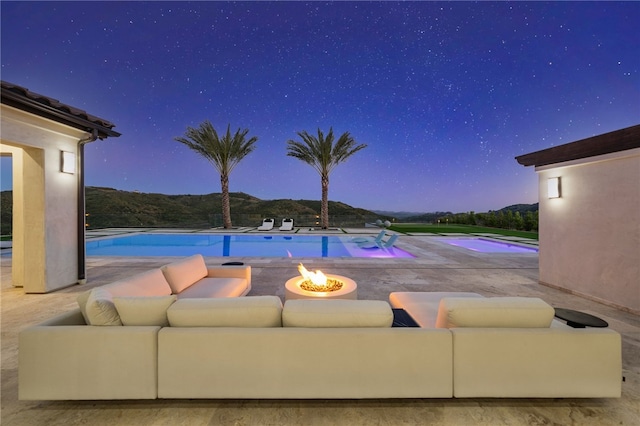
<point x="187" y="278"/>
<point x="254" y="347"/>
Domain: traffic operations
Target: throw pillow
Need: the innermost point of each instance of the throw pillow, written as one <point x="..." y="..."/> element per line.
<point x="100" y="309"/>
<point x="144" y="310"/>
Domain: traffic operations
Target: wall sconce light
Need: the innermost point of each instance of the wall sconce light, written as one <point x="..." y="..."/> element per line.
<point x="553" y="187"/>
<point x="67" y="162"/>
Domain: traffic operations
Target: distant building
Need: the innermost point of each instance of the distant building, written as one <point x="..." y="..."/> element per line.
<point x="589" y="215"/>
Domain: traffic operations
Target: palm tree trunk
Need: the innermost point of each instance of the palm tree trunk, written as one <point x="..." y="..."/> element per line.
<point x="324" y="206"/>
<point x="226" y="209"/>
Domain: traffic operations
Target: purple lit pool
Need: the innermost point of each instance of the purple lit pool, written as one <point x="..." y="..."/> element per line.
<point x="488" y="246"/>
<point x="239" y="245"/>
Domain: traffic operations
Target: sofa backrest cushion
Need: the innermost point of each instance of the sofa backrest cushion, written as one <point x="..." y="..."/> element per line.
<point x="336" y="313"/>
<point x="99" y="308"/>
<point x="506" y="312"/>
<point x="184" y="273"/>
<point x="149" y="283"/>
<point x="144" y="311"/>
<point x="251" y="311"/>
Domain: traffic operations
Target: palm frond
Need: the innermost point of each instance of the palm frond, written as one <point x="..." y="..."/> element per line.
<point x="224" y="153"/>
<point x="320" y="152"/>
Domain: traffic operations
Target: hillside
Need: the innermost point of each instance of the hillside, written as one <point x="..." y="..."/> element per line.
<point x="433" y="217"/>
<point x="521" y="208"/>
<point x="108" y="207"/>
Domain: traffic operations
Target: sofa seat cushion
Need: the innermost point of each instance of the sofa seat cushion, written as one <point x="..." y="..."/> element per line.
<point x="338" y="313"/>
<point x="144" y="311"/>
<point x="506" y="312"/>
<point x="215" y="287"/>
<point x="182" y="274"/>
<point x="423" y="305"/>
<point x="252" y="311"/>
<point x="149" y="283"/>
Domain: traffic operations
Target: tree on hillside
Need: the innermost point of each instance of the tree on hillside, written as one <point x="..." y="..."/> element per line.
<point x="224" y="153"/>
<point x="531" y="221"/>
<point x="321" y="153"/>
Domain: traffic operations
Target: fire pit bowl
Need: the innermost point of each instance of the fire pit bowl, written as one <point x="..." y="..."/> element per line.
<point x="293" y="289"/>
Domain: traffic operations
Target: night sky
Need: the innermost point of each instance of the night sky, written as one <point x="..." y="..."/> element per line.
<point x="445" y="94"/>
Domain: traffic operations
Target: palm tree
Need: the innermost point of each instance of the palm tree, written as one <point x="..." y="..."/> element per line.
<point x="224" y="153"/>
<point x="323" y="156"/>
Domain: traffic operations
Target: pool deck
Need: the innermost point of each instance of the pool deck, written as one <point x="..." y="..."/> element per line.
<point x="437" y="267"/>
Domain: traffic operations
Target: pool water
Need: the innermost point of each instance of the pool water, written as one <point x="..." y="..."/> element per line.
<point x="238" y="245"/>
<point x="488" y="246"/>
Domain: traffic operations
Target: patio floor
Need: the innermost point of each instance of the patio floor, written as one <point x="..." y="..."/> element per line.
<point x="438" y="267"/>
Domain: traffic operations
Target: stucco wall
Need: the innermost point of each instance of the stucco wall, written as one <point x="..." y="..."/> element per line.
<point x="590" y="236"/>
<point x="45" y="255"/>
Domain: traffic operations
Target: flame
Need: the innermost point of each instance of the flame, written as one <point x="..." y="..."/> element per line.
<point x="317" y="277"/>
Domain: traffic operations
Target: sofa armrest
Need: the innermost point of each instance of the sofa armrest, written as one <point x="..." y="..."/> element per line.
<point x="231" y="271"/>
<point x="83" y="362"/>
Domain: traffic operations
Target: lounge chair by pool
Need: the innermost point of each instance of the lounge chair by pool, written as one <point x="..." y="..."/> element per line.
<point x="287" y="225"/>
<point x="379" y="243"/>
<point x="375" y="240"/>
<point x="267" y="225"/>
<point x="389" y="243"/>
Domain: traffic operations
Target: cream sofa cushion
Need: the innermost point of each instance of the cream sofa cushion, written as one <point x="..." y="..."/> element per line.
<point x="251" y="311"/>
<point x="510" y="312"/>
<point x="336" y="313"/>
<point x="144" y="310"/>
<point x="149" y="283"/>
<point x="423" y="305"/>
<point x="184" y="273"/>
<point x="215" y="287"/>
<point x="100" y="310"/>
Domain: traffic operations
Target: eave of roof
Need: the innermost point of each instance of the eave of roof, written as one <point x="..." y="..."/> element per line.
<point x="44" y="106"/>
<point x="607" y="143"/>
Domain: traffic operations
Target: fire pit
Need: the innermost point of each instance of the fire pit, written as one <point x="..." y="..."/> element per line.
<point x="312" y="285"/>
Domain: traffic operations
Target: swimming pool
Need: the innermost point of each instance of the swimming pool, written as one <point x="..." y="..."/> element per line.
<point x="238" y="245"/>
<point x="488" y="246"/>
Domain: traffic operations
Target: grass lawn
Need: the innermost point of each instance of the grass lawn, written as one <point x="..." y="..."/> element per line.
<point x="460" y="229"/>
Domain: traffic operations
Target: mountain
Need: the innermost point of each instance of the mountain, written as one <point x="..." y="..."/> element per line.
<point x="399" y="215"/>
<point x="426" y="217"/>
<point x="432" y="217"/>
<point x="108" y="207"/>
<point x="522" y="208"/>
